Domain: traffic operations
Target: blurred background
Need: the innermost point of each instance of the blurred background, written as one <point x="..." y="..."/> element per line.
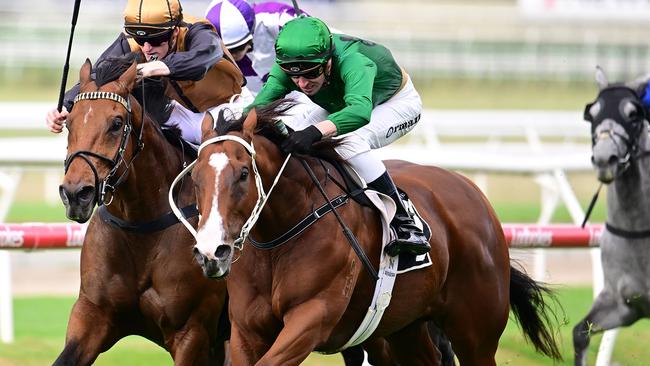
<point x="503" y="82"/>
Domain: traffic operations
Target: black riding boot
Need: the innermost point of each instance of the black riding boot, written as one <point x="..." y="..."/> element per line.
<point x="409" y="237"/>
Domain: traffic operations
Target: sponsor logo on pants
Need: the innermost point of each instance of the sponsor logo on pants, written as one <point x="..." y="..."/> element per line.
<point x="404" y="126"/>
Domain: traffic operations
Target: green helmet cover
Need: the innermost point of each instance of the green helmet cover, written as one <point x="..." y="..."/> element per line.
<point x="304" y="39"/>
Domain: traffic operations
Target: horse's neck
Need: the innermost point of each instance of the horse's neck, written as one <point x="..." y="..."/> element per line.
<point x="143" y="195"/>
<point x="291" y="197"/>
<point x="628" y="197"/>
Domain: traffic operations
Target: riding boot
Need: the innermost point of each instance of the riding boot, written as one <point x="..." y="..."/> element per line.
<point x="409" y="238"/>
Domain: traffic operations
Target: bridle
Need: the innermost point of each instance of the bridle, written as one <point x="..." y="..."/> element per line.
<point x="262" y="197"/>
<point x="633" y="128"/>
<point x="105" y="186"/>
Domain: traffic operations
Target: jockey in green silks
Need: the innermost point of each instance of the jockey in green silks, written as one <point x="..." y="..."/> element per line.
<point x="366" y="100"/>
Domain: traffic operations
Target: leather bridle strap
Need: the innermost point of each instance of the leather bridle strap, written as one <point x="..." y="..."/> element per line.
<point x="102" y="188"/>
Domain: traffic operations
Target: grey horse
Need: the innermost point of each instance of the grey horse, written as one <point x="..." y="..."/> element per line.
<point x="620" y="149"/>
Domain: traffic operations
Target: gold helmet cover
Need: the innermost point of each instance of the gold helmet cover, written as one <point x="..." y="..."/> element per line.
<point x="151" y="18"/>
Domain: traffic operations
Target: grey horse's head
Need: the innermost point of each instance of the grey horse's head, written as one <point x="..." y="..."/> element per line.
<point x="617" y="120"/>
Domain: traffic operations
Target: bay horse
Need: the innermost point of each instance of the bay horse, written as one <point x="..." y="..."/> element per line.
<point x="311" y="293"/>
<point x="620" y="149"/>
<point x="138" y="275"/>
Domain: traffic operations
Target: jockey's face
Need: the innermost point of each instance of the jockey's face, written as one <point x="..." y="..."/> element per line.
<point x="312" y="86"/>
<point x="159" y="51"/>
<point x="238" y="53"/>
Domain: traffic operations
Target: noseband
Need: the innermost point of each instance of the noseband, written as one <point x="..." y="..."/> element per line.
<point x="262" y="196"/>
<point x="105" y="186"/>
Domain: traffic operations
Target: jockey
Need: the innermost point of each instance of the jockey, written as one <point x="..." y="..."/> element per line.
<point x="367" y="100"/>
<point x="249" y="33"/>
<point x="201" y="73"/>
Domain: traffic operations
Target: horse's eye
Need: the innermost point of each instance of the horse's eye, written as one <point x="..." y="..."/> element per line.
<point x="117" y="124"/>
<point x="631" y="111"/>
<point x="244" y="174"/>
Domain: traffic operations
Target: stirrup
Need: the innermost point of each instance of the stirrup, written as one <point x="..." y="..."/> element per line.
<point x="417" y="245"/>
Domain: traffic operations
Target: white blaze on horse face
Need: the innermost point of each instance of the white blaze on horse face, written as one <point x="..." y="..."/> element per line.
<point x="211" y="234"/>
<point x="87" y="116"/>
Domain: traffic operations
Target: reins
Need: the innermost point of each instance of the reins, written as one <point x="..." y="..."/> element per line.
<point x="262" y="198"/>
<point x="349" y="235"/>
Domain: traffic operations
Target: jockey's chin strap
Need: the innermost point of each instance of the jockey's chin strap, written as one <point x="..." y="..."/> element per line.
<point x="262" y="197"/>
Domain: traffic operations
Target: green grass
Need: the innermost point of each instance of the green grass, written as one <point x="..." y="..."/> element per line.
<point x="504" y="94"/>
<point x="40" y="324"/>
<point x="507" y="212"/>
<point x="441" y="93"/>
<point x="32" y="84"/>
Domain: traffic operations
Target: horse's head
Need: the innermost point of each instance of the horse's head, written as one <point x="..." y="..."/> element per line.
<point x="617" y="120"/>
<point x="105" y="132"/>
<point x="228" y="178"/>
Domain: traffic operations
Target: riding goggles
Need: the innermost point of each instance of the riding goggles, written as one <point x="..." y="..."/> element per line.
<point x="154" y="41"/>
<point x="308" y="70"/>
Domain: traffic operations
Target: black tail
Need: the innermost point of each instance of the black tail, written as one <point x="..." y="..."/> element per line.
<point x="527" y="303"/>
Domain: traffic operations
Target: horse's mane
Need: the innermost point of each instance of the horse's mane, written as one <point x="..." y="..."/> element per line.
<point x="267" y="117"/>
<point x="151" y="95"/>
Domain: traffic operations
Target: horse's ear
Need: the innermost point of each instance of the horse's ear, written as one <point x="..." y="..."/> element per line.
<point x="601" y="79"/>
<point x="84" y="73"/>
<point x="639" y="84"/>
<point x="207" y="126"/>
<point x="127" y="79"/>
<point x="250" y="123"/>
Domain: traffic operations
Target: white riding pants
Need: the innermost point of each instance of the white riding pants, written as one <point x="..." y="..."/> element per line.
<point x="388" y="122"/>
<point x="190" y="123"/>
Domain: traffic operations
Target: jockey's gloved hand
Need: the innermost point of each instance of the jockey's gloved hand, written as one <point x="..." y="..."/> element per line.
<point x="301" y="141"/>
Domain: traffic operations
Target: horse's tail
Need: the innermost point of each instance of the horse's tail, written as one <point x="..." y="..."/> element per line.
<point x="532" y="312"/>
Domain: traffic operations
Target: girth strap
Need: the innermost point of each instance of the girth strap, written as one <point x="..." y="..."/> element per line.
<point x="161" y="223"/>
<point x="302" y="225"/>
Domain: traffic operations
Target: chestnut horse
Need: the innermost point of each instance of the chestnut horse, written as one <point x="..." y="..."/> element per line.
<point x="311" y="293"/>
<point x="138" y="276"/>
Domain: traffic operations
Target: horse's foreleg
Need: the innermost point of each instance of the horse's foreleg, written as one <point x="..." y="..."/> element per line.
<point x="379" y="353"/>
<point x="192" y="347"/>
<point x="304" y="328"/>
<point x="244" y="350"/>
<point x="413" y="346"/>
<point x="90" y="332"/>
<point x="608" y="311"/>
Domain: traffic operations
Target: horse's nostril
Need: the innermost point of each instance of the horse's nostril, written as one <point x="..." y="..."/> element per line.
<point x="64" y="195"/>
<point x="198" y="256"/>
<point x="613" y="160"/>
<point x="86" y="194"/>
<point x="222" y="252"/>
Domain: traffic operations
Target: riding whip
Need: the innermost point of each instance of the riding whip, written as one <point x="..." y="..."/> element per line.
<point x="66" y="67"/>
<point x="591" y="206"/>
<point x="296" y="8"/>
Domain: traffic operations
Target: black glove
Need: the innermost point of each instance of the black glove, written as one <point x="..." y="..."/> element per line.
<point x="301" y="141"/>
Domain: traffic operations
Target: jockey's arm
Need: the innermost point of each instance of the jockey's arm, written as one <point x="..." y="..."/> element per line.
<point x="204" y="51"/>
<point x="327" y="128"/>
<point x="358" y="75"/>
<point x="277" y="86"/>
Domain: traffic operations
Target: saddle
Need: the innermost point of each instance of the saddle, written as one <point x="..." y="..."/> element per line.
<point x="173" y="137"/>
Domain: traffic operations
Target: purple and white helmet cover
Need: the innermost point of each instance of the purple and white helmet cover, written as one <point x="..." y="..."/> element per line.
<point x="233" y="19"/>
